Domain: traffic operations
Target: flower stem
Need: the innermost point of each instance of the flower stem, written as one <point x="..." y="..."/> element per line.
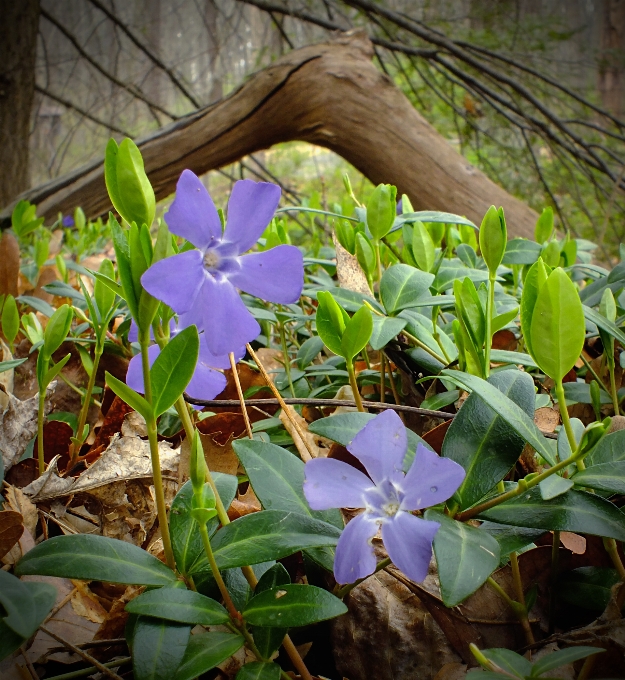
<point x="613" y="389"/>
<point x="566" y="421"/>
<point x="232" y="610"/>
<point x="40" y="416"/>
<point x="354" y="385"/>
<point x="237" y="382"/>
<point x="518" y="608"/>
<point x="82" y="420"/>
<point x="488" y="339"/>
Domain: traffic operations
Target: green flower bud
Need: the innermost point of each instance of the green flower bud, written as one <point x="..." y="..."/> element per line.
<point x="381" y="210"/>
<point x="493" y="238"/>
<point x="544" y="226"/>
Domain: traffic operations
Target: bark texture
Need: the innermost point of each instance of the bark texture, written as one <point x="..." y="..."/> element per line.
<point x="20" y="22"/>
<point x="329" y="94"/>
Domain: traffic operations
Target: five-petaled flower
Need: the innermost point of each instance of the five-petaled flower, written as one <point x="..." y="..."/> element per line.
<point x="388" y="496"/>
<point x="206" y="383"/>
<point x="202" y="283"/>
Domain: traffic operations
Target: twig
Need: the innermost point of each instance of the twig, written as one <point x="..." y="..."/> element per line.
<point x="61" y="604"/>
<point x="87" y="657"/>
<point x="237" y="382"/>
<point x="31" y="668"/>
<point x="88" y="671"/>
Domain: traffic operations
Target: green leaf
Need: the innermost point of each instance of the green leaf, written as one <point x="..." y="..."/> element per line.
<point x="482" y="441"/>
<point x="562" y="657"/>
<point x="291" y="606"/>
<point x="330" y="320"/>
<point x="10" y="319"/>
<point x="365" y="254"/>
<point x="534" y="280"/>
<point x="308" y="351"/>
<point x="104" y="295"/>
<point x="576" y="511"/>
<point x="267" y="535"/>
<point x="587" y="587"/>
<point x="511" y="538"/>
<point x="402" y="285"/>
<point x="357" y="333"/>
<point x="506" y="408"/>
<point x="185" y="534"/>
<point x="554" y="486"/>
<point x="158" y="648"/>
<point x="132" y="196"/>
<point x="610" y="448"/>
<point x="127" y="394"/>
<point x="23" y="613"/>
<point x="54" y="371"/>
<point x="384" y="330"/>
<point x="204" y="651"/>
<point x="37" y="304"/>
<point x="521" y="251"/>
<point x="259" y="670"/>
<point x="110" y="283"/>
<point x="603" y="323"/>
<point x="544" y="225"/>
<point x="502" y="356"/>
<point x="509" y="661"/>
<point x="448" y="274"/>
<point x="57" y="329"/>
<point x="177" y="604"/>
<point x="12" y="363"/>
<point x="435" y="216"/>
<point x="95" y="558"/>
<point x="267" y="639"/>
<point x="608" y="477"/>
<point x="558" y="329"/>
<point x="423" y="249"/>
<point x="493" y="238"/>
<point x="440" y="400"/>
<point x="277" y="478"/>
<point x="466" y="556"/>
<point x="381" y="210"/>
<point x="502" y="320"/>
<point x="346" y="236"/>
<point x="551" y="253"/>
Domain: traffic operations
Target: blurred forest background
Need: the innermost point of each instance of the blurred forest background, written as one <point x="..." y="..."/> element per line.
<point x="530" y="91"/>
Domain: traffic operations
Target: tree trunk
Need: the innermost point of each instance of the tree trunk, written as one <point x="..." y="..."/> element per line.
<point x="329" y="94"/>
<point x="18" y="45"/>
<point x="612" y="54"/>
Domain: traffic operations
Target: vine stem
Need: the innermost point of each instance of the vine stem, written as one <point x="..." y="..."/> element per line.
<point x="40" y="416"/>
<point x="518" y="608"/>
<point x="354" y="385"/>
<point x="232" y="610"/>
<point x="490" y="305"/>
<point x="82" y="420"/>
<point x="612" y="550"/>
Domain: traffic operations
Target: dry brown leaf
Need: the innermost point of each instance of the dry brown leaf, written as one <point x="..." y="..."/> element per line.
<point x="85" y="604"/>
<point x="134" y="425"/>
<point x="17" y="500"/>
<point x="11" y="530"/>
<point x="271" y="359"/>
<point x="219" y="457"/>
<point x="348" y="270"/>
<point x="26" y="543"/>
<point x="547" y="418"/>
<point x="573" y="542"/>
<point x="452" y="671"/>
<point x="245" y="504"/>
<point x="9" y="264"/>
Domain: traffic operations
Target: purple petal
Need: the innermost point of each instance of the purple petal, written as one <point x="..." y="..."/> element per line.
<point x="430" y="480"/>
<point x="206" y="383"/>
<point x="354" y="553"/>
<point x="217" y="361"/>
<point x="381" y="445"/>
<point x="275" y="275"/>
<point x="250" y="209"/>
<point x="133" y="332"/>
<point x="176" y="280"/>
<point x="134" y="376"/>
<point x="193" y="215"/>
<point x="228" y="324"/>
<point x="408" y="541"/>
<point x="331" y="483"/>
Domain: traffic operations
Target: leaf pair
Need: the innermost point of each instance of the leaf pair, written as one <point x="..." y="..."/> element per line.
<point x="342" y="335"/>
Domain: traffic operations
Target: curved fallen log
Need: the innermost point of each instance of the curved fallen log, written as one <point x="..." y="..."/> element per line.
<point x="328" y="94"/>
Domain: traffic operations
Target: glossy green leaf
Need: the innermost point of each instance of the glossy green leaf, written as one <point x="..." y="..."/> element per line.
<point x="346" y="235"/>
<point x="401" y="286"/>
<point x="493" y="238"/>
<point x="502" y="320"/>
<point x="562" y="657"/>
<point x="423" y="249"/>
<point x="104" y="295"/>
<point x="557" y="329"/>
<point x="132" y="398"/>
<point x="330" y="320"/>
<point x="440" y="400"/>
<point x="544" y="225"/>
<point x="185" y="535"/>
<point x="482" y="441"/>
<point x="534" y="280"/>
<point x="277" y="478"/>
<point x="365" y="254"/>
<point x="158" y="648"/>
<point x="12" y="363"/>
<point x="267" y="535"/>
<point x="554" y="486"/>
<point x="551" y="253"/>
<point x="25" y="605"/>
<point x="609" y="477"/>
<point x="521" y="251"/>
<point x="502" y="356"/>
<point x="435" y="216"/>
<point x="466" y="556"/>
<point x="511" y="538"/>
<point x="57" y="329"/>
<point x="385" y="328"/>
<point x="308" y="351"/>
<point x="576" y="511"/>
<point x="204" y="651"/>
<point x="52" y="372"/>
<point x="293" y="605"/>
<point x="509" y="661"/>
<point x="95" y="558"/>
<point x="610" y="448"/>
<point x="381" y="210"/>
<point x="357" y="333"/>
<point x="470" y="311"/>
<point x="506" y="408"/>
<point x="448" y="274"/>
<point x="268" y="639"/>
<point x="178" y="604"/>
<point x="259" y="670"/>
<point x="587" y="587"/>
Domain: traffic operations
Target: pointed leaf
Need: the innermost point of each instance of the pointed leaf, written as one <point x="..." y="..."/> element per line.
<point x="127" y="394"/>
<point x="177" y="604"/>
<point x="158" y="648"/>
<point x="402" y="285"/>
<point x="608" y="477"/>
<point x="259" y="670"/>
<point x="562" y="657"/>
<point x="204" y="651"/>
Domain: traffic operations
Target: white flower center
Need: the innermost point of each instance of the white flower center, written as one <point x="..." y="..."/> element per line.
<point x="211" y="259"/>
<point x="391" y="508"/>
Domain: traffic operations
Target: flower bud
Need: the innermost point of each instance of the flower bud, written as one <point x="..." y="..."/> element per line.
<point x="381" y="210"/>
<point x="493" y="238"/>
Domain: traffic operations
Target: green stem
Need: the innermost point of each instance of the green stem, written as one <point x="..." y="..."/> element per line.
<point x="594" y="373"/>
<point x="501" y="592"/>
<point x="423" y="346"/>
<point x="40" y="416"/>
<point x="144" y="343"/>
<point x="287" y="361"/>
<point x="378" y="261"/>
<point x="437" y="336"/>
<point x="232" y="610"/>
<point x="382" y="564"/>
<point x="82" y="420"/>
<point x="354" y="385"/>
<point x="612" y="550"/>
<point x="613" y="389"/>
<point x="490" y="306"/>
<point x="566" y="421"/>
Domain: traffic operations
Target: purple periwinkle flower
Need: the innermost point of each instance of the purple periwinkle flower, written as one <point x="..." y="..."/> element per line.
<point x="68" y="221"/>
<point x="388" y="496"/>
<point x="202" y="283"/>
<point x="206" y="383"/>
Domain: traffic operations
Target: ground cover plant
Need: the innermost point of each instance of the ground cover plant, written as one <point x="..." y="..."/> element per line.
<point x="273" y="414"/>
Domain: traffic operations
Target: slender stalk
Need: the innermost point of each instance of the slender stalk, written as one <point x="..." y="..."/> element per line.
<point x="594" y="373"/>
<point x="232" y="610"/>
<point x="613" y="390"/>
<point x="237" y="382"/>
<point x="82" y="419"/>
<point x="378" y="261"/>
<point x="40" y="416"/>
<point x="566" y="421"/>
<point x="296" y="659"/>
<point x="501" y="592"/>
<point x="424" y="347"/>
<point x="285" y="354"/>
<point x="612" y="550"/>
<point x="589" y="662"/>
<point x="92" y="669"/>
<point x="490" y="306"/>
<point x="354" y="385"/>
<point x="436" y="334"/>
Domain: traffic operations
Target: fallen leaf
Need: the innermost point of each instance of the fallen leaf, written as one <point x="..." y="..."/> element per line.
<point x="25" y="543"/>
<point x="9" y="264"/>
<point x="22" y="473"/>
<point x="244" y="504"/>
<point x="348" y="270"/>
<point x="505" y="339"/>
<point x="11" y="530"/>
<point x="271" y="359"/>
<point x="223" y="426"/>
<point x="112" y="424"/>
<point x="6" y="377"/>
<point x="17" y="500"/>
<point x="56" y="441"/>
<point x="547" y="418"/>
<point x="134" y="425"/>
<point x="436" y="435"/>
<point x="85" y="604"/>
<point x="573" y="542"/>
<point x="313" y="446"/>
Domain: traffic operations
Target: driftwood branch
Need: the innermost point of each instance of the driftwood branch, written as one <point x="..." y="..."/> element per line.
<point x="329" y="94"/>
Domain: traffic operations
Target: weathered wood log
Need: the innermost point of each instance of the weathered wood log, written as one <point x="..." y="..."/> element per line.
<point x="328" y="94"/>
